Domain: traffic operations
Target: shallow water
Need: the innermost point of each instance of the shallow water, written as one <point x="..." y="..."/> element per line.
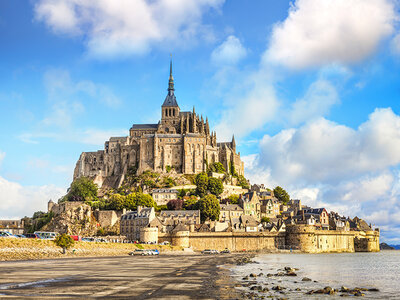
<point x="371" y="270"/>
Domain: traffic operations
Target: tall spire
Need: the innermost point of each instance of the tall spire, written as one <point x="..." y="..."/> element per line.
<point x="171" y="79"/>
<point x="170" y="100"/>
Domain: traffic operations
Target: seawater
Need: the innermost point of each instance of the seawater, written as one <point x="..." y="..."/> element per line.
<point x="370" y="270"/>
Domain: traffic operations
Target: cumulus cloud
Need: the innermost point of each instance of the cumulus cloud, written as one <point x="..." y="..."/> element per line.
<point x="118" y="28"/>
<point x="319" y="32"/>
<point x="318" y="100"/>
<point x="17" y="201"/>
<point x="231" y="51"/>
<point x="325" y="164"/>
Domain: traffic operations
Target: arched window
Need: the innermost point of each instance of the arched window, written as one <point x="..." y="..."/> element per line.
<point x="173" y="112"/>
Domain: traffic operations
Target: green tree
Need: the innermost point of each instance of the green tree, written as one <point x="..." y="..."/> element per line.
<point x="232" y="169"/>
<point x="265" y="220"/>
<point x="216" y="167"/>
<point x="145" y="200"/>
<point x="201" y="182"/>
<point x="64" y="241"/>
<point x="233" y="199"/>
<point x="82" y="189"/>
<point x="117" y="202"/>
<point x="191" y="203"/>
<point x="209" y="208"/>
<point x="215" y="186"/>
<point x="242" y="181"/>
<point x="281" y="194"/>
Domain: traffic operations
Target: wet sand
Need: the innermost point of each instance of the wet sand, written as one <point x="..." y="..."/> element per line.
<point x="133" y="277"/>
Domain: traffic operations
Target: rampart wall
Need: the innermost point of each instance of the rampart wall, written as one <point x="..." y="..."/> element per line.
<point x="297" y="237"/>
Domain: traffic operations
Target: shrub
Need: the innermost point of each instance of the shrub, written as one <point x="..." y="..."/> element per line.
<point x="64" y="241"/>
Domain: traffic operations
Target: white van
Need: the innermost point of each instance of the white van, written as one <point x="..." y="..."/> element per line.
<point x="45" y="235"/>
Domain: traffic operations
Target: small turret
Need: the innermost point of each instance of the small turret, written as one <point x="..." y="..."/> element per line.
<point x="233" y="143"/>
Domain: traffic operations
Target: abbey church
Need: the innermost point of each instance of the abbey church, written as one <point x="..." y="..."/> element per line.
<point x="182" y="141"/>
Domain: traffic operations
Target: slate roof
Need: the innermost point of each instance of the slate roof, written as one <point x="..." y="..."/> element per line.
<point x="170" y="100"/>
<point x="231" y="207"/>
<point x="144" y="126"/>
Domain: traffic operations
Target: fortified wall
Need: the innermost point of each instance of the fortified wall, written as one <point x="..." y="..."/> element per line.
<point x="297" y="237"/>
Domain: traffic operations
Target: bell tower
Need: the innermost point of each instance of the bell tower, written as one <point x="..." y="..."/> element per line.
<point x="170" y="108"/>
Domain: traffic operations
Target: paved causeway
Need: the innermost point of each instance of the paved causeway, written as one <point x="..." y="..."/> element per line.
<point x="163" y="277"/>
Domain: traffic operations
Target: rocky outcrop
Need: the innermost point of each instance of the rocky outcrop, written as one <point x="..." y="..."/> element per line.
<point x="77" y="220"/>
<point x="384" y="246"/>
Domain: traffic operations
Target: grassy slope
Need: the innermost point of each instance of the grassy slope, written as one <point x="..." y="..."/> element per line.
<point x="21" y="249"/>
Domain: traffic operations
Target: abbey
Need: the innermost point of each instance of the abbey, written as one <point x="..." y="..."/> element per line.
<point x="182" y="141"/>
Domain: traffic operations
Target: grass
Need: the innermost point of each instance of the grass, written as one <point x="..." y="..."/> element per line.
<point x="16" y="249"/>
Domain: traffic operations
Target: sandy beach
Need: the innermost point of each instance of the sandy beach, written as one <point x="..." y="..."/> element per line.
<point x="134" y="277"/>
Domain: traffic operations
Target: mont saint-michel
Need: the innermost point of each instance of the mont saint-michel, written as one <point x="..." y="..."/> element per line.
<point x="181" y="140"/>
<point x="173" y="183"/>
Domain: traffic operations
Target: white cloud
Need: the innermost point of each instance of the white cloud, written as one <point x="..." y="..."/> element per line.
<point x="250" y="111"/>
<point x="17" y="201"/>
<point x="351" y="171"/>
<point x="2" y="155"/>
<point x="125" y="27"/>
<point x="396" y="44"/>
<point x="231" y="51"/>
<point x="65" y="97"/>
<point x="324" y="151"/>
<point x="319" y="32"/>
<point x="319" y="98"/>
<point x="98" y="136"/>
<point x="62" y="88"/>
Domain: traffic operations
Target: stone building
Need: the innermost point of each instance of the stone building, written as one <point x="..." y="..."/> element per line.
<point x="142" y="224"/>
<point x="229" y="211"/>
<point x="163" y="196"/>
<point x="251" y="205"/>
<point x="12" y="226"/>
<point x="181" y="140"/>
<point x="132" y="222"/>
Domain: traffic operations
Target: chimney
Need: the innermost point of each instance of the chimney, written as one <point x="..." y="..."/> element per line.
<point x="139" y="209"/>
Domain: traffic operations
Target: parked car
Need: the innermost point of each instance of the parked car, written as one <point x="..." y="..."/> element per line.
<point x="225" y="251"/>
<point x="46" y="235"/>
<point x="21" y="236"/>
<point x="31" y="236"/>
<point x="165" y="243"/>
<point x="76" y="238"/>
<point x="155" y="251"/>
<point x="145" y="252"/>
<point x="7" y="234"/>
<point x="210" y="251"/>
<point x="88" y="239"/>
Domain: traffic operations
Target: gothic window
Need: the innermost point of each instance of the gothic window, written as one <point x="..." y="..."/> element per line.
<point x="174" y="113"/>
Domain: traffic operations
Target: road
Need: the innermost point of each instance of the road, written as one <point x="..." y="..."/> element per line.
<point x="163" y="277"/>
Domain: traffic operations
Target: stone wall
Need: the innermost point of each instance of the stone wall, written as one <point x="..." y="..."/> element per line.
<point x="307" y="239"/>
<point x="236" y="241"/>
<point x="297" y="237"/>
<point x="107" y="218"/>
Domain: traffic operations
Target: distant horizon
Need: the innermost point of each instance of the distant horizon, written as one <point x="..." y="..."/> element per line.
<point x="309" y="89"/>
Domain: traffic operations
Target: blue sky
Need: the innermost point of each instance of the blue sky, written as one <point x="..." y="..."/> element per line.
<point x="309" y="88"/>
